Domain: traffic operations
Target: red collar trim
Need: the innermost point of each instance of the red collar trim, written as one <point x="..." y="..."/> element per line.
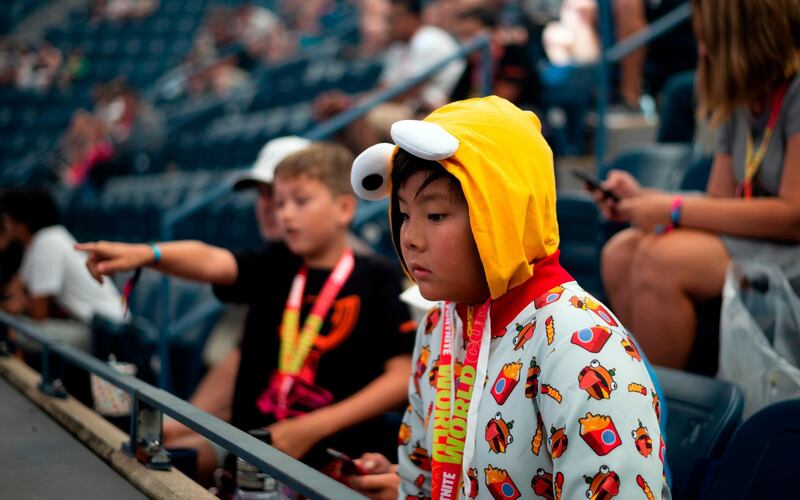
<point x="547" y="274"/>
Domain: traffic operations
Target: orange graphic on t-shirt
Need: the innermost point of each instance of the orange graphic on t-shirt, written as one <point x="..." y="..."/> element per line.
<point x="343" y="317"/>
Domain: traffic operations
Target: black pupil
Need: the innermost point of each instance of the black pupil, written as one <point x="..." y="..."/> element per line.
<point x="372" y="182"/>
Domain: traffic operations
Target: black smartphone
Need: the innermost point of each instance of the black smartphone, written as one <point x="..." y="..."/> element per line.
<point x="349" y="467"/>
<point x="593" y="184"/>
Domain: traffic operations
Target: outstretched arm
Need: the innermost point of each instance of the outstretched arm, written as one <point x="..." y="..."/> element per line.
<point x="192" y="260"/>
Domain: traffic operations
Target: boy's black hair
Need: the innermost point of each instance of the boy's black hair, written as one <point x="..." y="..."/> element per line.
<point x="412" y="6"/>
<point x="33" y="208"/>
<point x="404" y="165"/>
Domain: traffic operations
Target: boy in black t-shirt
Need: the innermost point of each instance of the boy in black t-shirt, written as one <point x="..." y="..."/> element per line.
<point x="324" y="354"/>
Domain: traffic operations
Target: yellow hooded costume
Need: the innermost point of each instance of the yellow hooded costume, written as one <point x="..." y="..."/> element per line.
<point x="505" y="167"/>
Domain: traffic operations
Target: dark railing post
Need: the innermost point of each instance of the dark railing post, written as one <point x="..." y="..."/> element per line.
<point x="51" y="386"/>
<point x="147" y="435"/>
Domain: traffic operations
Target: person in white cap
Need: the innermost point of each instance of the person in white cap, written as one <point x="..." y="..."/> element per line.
<point x="260" y="176"/>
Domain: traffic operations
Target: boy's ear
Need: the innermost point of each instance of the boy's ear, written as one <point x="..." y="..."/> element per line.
<point x="347" y="208"/>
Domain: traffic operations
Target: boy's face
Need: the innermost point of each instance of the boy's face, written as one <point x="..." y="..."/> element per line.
<point x="437" y="244"/>
<point x="310" y="216"/>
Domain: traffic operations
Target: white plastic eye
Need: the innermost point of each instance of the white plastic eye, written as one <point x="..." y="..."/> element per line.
<point x="604" y="469"/>
<point x="588" y="493"/>
<point x="498" y="416"/>
<point x="540" y="472"/>
<point x="371" y="170"/>
<point x="633" y="434"/>
<point x="425" y="140"/>
<point x="594" y="363"/>
<point x="510" y="439"/>
<point x="613" y="386"/>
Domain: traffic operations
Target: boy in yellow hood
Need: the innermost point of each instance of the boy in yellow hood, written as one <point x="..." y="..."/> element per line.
<point x="524" y="384"/>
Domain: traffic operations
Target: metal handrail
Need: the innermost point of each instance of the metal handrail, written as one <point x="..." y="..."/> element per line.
<point x="297" y="475"/>
<point x="613" y="54"/>
<point x="321" y="131"/>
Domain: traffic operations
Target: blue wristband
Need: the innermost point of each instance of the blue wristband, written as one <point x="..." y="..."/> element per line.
<point x="156" y="253"/>
<point x="675" y="212"/>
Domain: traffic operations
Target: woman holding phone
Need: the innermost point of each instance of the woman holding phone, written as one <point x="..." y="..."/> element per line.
<point x="679" y="246"/>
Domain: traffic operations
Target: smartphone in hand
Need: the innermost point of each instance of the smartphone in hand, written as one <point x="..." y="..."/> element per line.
<point x="594" y="185"/>
<point x="349" y="467"/>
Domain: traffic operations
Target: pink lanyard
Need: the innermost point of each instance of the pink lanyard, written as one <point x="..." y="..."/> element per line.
<point x="294" y="349"/>
<point x="450" y="414"/>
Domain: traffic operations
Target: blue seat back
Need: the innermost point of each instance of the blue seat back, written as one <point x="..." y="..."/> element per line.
<point x="761" y="461"/>
<point x="371" y="224"/>
<point x="703" y="414"/>
<point x="578" y="225"/>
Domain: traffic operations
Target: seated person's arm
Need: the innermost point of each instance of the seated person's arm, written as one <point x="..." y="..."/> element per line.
<point x="191" y="260"/>
<point x="214" y="395"/>
<point x="775" y="217"/>
<point x="298" y="435"/>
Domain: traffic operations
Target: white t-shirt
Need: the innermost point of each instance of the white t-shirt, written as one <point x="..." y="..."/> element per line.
<point x="51" y="267"/>
<point x="428" y="46"/>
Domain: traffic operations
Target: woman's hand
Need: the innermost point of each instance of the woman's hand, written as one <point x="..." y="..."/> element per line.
<point x="624" y="186"/>
<point x="379" y="481"/>
<point x="107" y="258"/>
<point x="646" y="211"/>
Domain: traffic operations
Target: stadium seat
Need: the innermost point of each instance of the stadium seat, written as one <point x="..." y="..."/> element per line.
<point x="702" y="415"/>
<point x="371" y="224"/>
<point x="760" y="463"/>
<point x="579" y="225"/>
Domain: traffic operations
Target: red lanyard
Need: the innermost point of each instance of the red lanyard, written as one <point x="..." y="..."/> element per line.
<point x="450" y="414"/>
<point x="753" y="160"/>
<point x="294" y="349"/>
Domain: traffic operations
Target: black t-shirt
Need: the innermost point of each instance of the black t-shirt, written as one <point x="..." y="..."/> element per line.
<point x="367" y="325"/>
<point x="513" y="65"/>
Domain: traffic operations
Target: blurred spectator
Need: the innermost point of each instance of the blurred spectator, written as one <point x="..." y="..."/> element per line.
<point x="260" y="177"/>
<point x="416" y="47"/>
<point x="646" y="70"/>
<point x="134" y="125"/>
<point x="85" y="144"/>
<point x="573" y="39"/>
<point x="263" y="36"/>
<point x="36" y="67"/>
<point x="374" y="26"/>
<point x="107" y="142"/>
<point x="53" y="287"/>
<point x="679" y="247"/>
<point x="514" y="75"/>
<point x="122" y="10"/>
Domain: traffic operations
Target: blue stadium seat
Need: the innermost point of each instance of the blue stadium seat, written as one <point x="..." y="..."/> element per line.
<point x="760" y="462"/>
<point x="579" y="227"/>
<point x="371" y="224"/>
<point x="702" y="415"/>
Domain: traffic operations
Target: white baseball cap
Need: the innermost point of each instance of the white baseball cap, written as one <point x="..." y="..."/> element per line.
<point x="273" y="152"/>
